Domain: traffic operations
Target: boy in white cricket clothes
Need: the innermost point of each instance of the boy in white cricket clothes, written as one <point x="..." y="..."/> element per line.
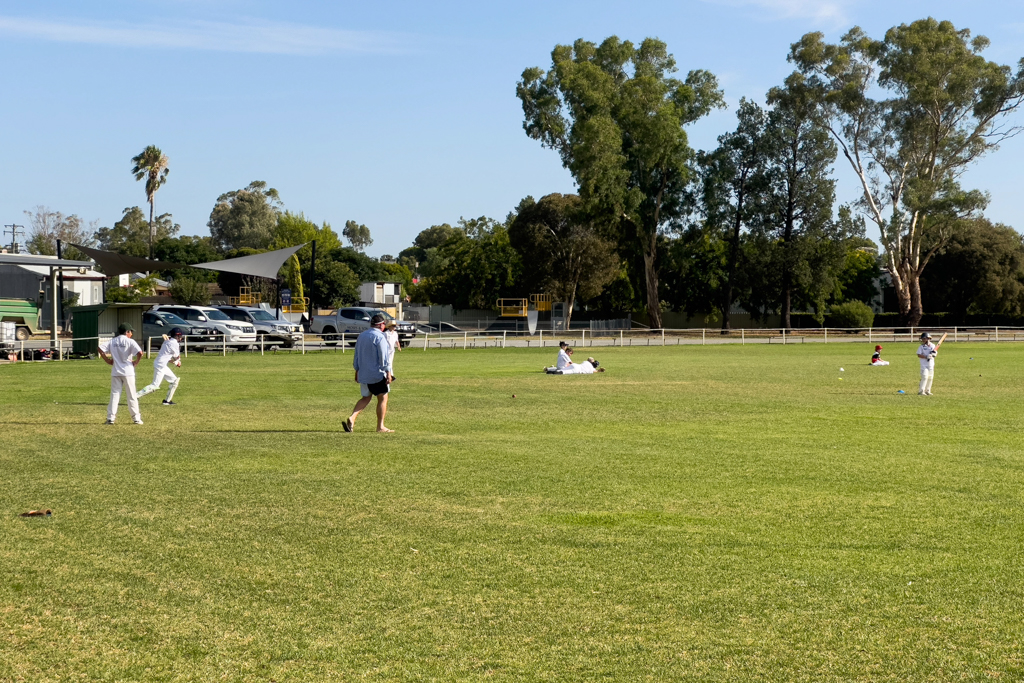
<point x="170" y="352"/>
<point x="563" y="361"/>
<point x="926" y="352"/>
<point x="123" y="353"/>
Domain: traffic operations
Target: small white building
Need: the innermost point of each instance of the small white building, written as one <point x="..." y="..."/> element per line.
<point x="23" y="281"/>
<point x="385" y="295"/>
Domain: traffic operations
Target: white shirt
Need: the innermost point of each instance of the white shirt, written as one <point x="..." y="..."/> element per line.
<point x="584" y="368"/>
<point x="392" y="337"/>
<point x="123" y="350"/>
<point x="168" y="352"/>
<point x="926" y="349"/>
<point x="563" y="359"/>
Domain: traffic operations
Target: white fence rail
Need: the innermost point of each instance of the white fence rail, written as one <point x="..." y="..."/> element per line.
<point x="26" y="350"/>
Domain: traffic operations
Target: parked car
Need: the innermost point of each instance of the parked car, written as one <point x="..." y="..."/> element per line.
<point x="355" y="319"/>
<point x="273" y="330"/>
<point x="159" y="323"/>
<point x="240" y="335"/>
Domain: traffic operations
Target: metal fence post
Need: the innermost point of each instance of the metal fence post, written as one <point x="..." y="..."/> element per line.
<point x="425" y="335"/>
<point x="149" y="347"/>
<point x="60" y="350"/>
<point x="703" y="336"/>
<point x="997" y="332"/>
<point x="743" y="336"/>
<point x="503" y="337"/>
<point x="465" y="337"/>
<point x="783" y="336"/>
<point x="954" y="335"/>
<point x="869" y="335"/>
<point x="620" y="338"/>
<point x="224" y="344"/>
<point x="663" y="336"/>
<point x="262" y="337"/>
<point x="826" y="335"/>
<point x="185" y="345"/>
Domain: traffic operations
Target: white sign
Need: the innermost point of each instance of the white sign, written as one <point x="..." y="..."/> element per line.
<point x="122" y="280"/>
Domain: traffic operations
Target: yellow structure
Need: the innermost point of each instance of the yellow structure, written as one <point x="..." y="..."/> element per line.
<point x="246" y="298"/>
<point x="300" y="304"/>
<point x="512" y="308"/>
<point x="541" y="302"/>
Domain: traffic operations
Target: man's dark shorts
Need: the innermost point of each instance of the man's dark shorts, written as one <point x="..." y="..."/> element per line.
<point x="378" y="388"/>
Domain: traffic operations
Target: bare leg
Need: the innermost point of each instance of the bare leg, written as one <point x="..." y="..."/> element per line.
<point x="382" y="410"/>
<point x="360" y="404"/>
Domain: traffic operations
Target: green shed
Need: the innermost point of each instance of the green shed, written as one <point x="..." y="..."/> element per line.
<point x="90" y="325"/>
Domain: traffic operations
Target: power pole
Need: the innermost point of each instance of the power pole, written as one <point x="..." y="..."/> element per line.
<point x="14" y="230"/>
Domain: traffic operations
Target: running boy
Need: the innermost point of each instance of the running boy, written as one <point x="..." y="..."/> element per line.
<point x="170" y="352"/>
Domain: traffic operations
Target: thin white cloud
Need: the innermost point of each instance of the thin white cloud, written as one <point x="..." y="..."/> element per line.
<point x="827" y="11"/>
<point x="247" y="36"/>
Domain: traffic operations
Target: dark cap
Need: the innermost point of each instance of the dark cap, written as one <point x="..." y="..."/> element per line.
<point x="377" y="319"/>
<point x="925" y="335"/>
<point x="124" y="327"/>
<point x="176" y="332"/>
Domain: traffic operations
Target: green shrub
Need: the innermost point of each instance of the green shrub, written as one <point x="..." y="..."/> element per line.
<point x="852" y="314"/>
<point x="188" y="292"/>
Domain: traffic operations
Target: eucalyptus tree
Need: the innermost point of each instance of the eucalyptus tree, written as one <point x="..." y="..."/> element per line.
<point x="151" y="164"/>
<point x="246" y="218"/>
<point x="941" y="107"/>
<point x="616" y="116"/>
<point x="796" y="207"/>
<point x="562" y="252"/>
<point x="358" y="235"/>
<point x="733" y="180"/>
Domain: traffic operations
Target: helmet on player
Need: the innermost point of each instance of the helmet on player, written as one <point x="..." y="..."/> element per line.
<point x="176" y="332"/>
<point x="925" y="336"/>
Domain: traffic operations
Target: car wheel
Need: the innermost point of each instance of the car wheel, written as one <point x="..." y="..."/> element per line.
<point x="329" y="331"/>
<point x="22" y="333"/>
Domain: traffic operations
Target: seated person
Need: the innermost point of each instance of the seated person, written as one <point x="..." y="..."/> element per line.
<point x="564" y="358"/>
<point x="587" y="367"/>
<point x="876" y="358"/>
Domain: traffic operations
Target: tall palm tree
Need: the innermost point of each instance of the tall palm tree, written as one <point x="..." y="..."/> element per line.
<point x="151" y="165"/>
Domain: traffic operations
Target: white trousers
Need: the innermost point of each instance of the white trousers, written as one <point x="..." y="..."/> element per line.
<point x="159" y="373"/>
<point x="927" y="375"/>
<point x="117" y="384"/>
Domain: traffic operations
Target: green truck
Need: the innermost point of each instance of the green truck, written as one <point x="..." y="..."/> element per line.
<point x="24" y="313"/>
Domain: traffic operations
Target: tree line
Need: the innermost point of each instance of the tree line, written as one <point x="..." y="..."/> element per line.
<point x="656" y="225"/>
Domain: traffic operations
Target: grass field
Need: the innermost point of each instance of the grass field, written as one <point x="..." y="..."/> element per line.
<point x="696" y="513"/>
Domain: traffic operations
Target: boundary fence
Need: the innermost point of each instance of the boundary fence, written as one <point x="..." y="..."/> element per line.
<point x="583" y="338"/>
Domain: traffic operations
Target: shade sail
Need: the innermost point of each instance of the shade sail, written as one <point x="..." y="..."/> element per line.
<point x="260" y="265"/>
<point x="116" y="264"/>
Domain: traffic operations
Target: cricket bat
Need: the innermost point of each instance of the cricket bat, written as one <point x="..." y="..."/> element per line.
<point x="941" y="339"/>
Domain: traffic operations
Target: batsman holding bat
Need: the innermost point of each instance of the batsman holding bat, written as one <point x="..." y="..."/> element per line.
<point x="927" y="352"/>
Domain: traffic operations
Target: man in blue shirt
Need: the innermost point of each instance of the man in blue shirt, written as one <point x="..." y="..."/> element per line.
<point x="372" y="363"/>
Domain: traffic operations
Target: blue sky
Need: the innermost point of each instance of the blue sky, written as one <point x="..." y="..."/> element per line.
<point x="397" y="114"/>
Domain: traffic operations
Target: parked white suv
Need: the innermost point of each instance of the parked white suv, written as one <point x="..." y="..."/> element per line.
<point x="273" y="330"/>
<point x="238" y="334"/>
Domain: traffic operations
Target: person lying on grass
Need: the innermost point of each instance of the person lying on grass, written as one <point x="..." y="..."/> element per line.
<point x="587" y="367"/>
<point x="564" y="353"/>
